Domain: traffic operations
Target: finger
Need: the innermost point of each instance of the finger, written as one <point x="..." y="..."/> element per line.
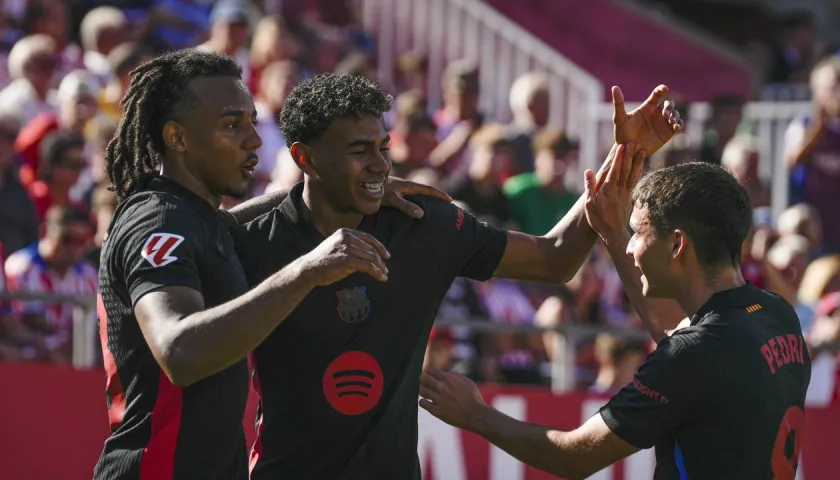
<point x="438" y="375"/>
<point x="373" y="242"/>
<point x="627" y="162"/>
<point x="656" y="96"/>
<point x="619" y="115"/>
<point x="366" y="266"/>
<point x="615" y="169"/>
<point x="427" y="392"/>
<point x="428" y="406"/>
<point x="636" y="171"/>
<point x="679" y="126"/>
<point x="365" y="252"/>
<point x="667" y="109"/>
<point x="428" y="381"/>
<point x="405" y="187"/>
<point x="589" y="181"/>
<point x="404" y="206"/>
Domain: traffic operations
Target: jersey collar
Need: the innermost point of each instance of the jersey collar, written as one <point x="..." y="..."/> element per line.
<point x="171" y="186"/>
<point x="292" y="209"/>
<point x="734" y="297"/>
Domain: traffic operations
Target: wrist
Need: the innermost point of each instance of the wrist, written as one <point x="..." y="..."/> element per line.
<point x="616" y="239"/>
<point x="482" y="420"/>
<point x="302" y="270"/>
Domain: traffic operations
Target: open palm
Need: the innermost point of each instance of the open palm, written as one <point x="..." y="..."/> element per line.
<point x="650" y="125"/>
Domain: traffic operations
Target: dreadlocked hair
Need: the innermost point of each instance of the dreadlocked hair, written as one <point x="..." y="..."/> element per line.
<point x="156" y="94"/>
<point x="312" y="106"/>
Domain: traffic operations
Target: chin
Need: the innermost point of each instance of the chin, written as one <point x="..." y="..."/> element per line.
<point x="239" y="192"/>
<point x="368" y="208"/>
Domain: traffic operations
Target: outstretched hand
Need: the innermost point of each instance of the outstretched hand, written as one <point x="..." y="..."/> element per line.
<point x="397" y="188"/>
<point x="608" y="206"/>
<point x="650" y="125"/>
<point x="453" y="398"/>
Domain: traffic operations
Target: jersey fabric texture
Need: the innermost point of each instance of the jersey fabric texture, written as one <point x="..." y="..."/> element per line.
<point x="723" y="397"/>
<point x="339" y="378"/>
<point x="167" y="236"/>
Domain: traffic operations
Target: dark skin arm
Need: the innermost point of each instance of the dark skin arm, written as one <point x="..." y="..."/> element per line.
<point x="190" y="342"/>
<point x="572" y="455"/>
<point x="558" y="255"/>
<point x="395" y="189"/>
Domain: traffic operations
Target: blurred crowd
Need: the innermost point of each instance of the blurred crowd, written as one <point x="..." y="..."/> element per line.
<point x="63" y="71"/>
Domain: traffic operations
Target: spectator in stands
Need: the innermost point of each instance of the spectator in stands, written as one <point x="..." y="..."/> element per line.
<point x="54" y="265"/>
<point x="413" y="73"/>
<point x="76" y="101"/>
<point x="741" y="157"/>
<point x="529" y="102"/>
<point x="98" y="134"/>
<point x="273" y="41"/>
<point x="480" y="187"/>
<point x="726" y="116"/>
<point x="62" y="162"/>
<point x="803" y="219"/>
<point x="618" y="358"/>
<point x="32" y="64"/>
<point x="821" y="278"/>
<point x="796" y="48"/>
<point x="9" y="350"/>
<point x="539" y="199"/>
<point x="103" y="205"/>
<point x="786" y="262"/>
<point x="229" y="33"/>
<point x="18" y="219"/>
<point x="121" y="60"/>
<point x="52" y="18"/>
<point x="276" y="82"/>
<point x="101" y="31"/>
<point x="812" y="150"/>
<point x="459" y="118"/>
<point x="412" y="141"/>
<point x="407" y="104"/>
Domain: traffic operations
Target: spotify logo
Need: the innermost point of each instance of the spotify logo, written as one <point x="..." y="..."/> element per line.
<point x="353" y="383"/>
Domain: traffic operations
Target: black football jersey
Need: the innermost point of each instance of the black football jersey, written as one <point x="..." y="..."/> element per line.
<point x="724" y="397"/>
<point x="166" y="235"/>
<point x="339" y="378"/>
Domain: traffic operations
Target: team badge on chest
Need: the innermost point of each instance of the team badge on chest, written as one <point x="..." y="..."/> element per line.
<point x="353" y="304"/>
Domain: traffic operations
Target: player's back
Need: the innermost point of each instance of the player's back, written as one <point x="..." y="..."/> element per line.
<point x="167" y="236"/>
<point x="749" y="423"/>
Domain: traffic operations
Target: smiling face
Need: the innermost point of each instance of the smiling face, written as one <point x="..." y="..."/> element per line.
<point x="218" y="136"/>
<point x="652" y="255"/>
<point x="349" y="164"/>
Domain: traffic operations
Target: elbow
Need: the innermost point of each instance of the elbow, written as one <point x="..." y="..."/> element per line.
<point x="178" y="364"/>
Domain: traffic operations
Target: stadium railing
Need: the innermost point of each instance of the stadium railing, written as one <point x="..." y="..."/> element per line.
<point x="446" y="30"/>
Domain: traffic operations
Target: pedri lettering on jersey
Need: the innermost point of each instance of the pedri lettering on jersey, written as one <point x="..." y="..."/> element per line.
<point x="459" y="222"/>
<point x="783" y="350"/>
<point x="353" y="304"/>
<point x="159" y="247"/>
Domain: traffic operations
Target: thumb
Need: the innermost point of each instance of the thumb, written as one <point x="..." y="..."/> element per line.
<point x="589" y="181"/>
<point x="619" y="115"/>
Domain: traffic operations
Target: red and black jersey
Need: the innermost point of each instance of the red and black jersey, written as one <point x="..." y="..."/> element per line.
<point x="724" y="397"/>
<point x="166" y="236"/>
<point x="339" y="378"/>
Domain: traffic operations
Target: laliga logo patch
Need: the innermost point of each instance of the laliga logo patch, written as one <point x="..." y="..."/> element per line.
<point x="159" y="247"/>
<point x="353" y="304"/>
<point x="353" y="383"/>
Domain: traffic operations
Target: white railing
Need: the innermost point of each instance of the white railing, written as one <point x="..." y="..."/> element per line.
<point x="446" y="30"/>
<point x="768" y="121"/>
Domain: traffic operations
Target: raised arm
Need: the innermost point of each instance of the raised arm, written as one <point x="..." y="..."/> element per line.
<point x="395" y="189"/>
<point x="557" y="256"/>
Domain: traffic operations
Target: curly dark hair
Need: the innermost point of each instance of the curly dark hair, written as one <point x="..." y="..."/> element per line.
<point x="705" y="201"/>
<point x="315" y="103"/>
<point x="157" y="94"/>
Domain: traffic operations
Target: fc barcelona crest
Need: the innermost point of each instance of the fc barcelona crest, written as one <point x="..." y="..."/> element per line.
<point x="353" y="304"/>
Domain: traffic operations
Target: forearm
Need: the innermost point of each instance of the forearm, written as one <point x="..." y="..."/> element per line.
<point x="541" y="447"/>
<point x="209" y="341"/>
<point x="658" y="315"/>
<point x="253" y="208"/>
<point x="571" y="240"/>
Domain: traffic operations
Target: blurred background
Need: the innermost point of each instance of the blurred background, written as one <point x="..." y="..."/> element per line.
<point x="503" y="104"/>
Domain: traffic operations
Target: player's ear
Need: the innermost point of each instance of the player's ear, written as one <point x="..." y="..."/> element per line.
<point x="680" y="244"/>
<point x="302" y="155"/>
<point x="174" y="138"/>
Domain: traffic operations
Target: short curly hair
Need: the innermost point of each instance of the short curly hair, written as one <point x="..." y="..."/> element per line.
<point x="315" y="103"/>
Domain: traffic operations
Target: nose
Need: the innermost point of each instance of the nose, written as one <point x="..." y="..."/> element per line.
<point x="629" y="250"/>
<point x="253" y="141"/>
<point x="380" y="163"/>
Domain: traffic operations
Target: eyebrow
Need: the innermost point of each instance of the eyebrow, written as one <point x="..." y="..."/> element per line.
<point x="367" y="143"/>
<point x="232" y="113"/>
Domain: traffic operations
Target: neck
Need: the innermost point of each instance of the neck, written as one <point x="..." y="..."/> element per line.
<point x="322" y="214"/>
<point x="177" y="173"/>
<point x="695" y="293"/>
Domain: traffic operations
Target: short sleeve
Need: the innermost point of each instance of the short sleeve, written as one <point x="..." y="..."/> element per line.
<point x="470" y="248"/>
<point x="666" y="389"/>
<point x="160" y="247"/>
<point x="794" y="136"/>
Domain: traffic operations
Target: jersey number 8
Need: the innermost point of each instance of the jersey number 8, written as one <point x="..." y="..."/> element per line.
<point x="784" y="465"/>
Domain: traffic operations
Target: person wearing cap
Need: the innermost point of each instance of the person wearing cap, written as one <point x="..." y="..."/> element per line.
<point x="229" y="29"/>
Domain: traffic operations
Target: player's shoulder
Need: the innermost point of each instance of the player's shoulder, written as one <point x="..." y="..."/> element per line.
<point x="148" y="211"/>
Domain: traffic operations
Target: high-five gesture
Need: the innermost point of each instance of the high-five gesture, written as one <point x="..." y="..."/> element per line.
<point x="650" y="125"/>
<point x="609" y="205"/>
